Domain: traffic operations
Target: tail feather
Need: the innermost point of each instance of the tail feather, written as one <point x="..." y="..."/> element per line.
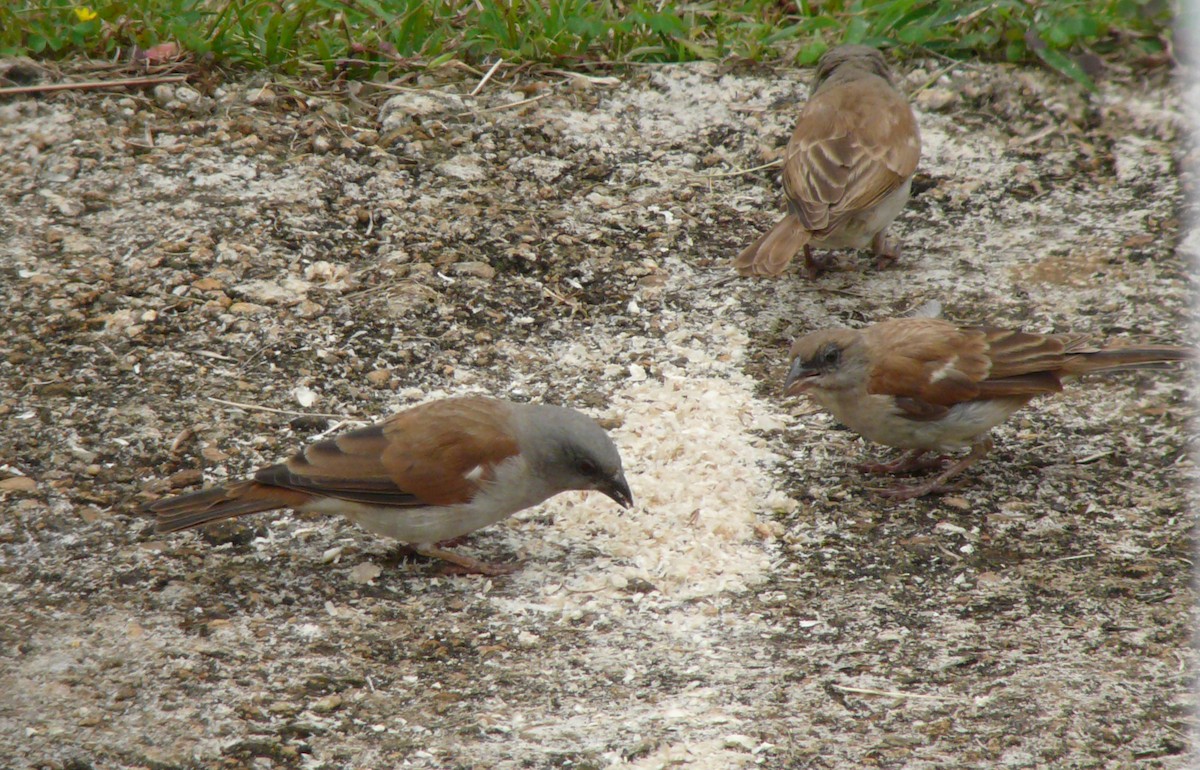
<point x="224" y="502"/>
<point x="1119" y="357"/>
<point x="770" y="254"/>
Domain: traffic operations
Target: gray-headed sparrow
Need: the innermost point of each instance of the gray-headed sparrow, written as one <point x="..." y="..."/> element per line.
<point x="427" y="474"/>
<point x="929" y="385"/>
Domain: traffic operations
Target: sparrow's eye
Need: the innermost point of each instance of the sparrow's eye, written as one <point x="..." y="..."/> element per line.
<point x="830" y="356"/>
<point x="587" y="467"/>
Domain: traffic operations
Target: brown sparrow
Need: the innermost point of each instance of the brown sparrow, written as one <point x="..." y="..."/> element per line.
<point x="848" y="167"/>
<point x="425" y="475"/>
<point x="928" y="385"/>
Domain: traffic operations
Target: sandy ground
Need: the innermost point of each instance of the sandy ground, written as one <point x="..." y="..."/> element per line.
<point x="197" y="281"/>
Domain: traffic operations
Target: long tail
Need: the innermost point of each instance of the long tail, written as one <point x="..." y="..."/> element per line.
<point x="237" y="498"/>
<point x="1117" y="357"/>
<point x="771" y="253"/>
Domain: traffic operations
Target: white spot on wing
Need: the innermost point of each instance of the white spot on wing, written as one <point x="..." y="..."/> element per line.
<point x="944" y="371"/>
<point x="475" y="474"/>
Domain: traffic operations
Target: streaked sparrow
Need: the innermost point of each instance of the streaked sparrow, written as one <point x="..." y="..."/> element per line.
<point x="848" y="168"/>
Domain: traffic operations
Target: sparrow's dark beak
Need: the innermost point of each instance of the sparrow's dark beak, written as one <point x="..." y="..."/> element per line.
<point x="618" y="489"/>
<point x="798" y="378"/>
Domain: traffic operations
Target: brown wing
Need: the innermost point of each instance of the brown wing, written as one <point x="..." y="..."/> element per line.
<point x="1026" y="364"/>
<point x="927" y="363"/>
<point x="434" y="454"/>
<point x="853" y="145"/>
<point x="1016" y="352"/>
<point x="1036" y="363"/>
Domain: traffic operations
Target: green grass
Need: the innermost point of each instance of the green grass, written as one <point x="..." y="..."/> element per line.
<point x="362" y="38"/>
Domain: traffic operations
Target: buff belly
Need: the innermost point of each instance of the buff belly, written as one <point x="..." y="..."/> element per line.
<point x="959" y="428"/>
<point x="857" y="231"/>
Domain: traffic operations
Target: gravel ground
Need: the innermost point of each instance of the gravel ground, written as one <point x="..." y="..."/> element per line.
<point x="198" y="280"/>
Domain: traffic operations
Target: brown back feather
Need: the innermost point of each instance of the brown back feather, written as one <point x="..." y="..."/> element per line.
<point x="1032" y="384"/>
<point x="928" y="359"/>
<point x="933" y="363"/>
<point x="842" y="159"/>
<point x="1014" y="352"/>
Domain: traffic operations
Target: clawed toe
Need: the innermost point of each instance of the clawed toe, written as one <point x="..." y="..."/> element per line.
<point x="451" y="562"/>
<point x="460" y="564"/>
<point x="876" y="469"/>
<point x="900" y="467"/>
<point x="886" y="251"/>
<point x="913" y="492"/>
<point x="477" y="568"/>
<point x="814" y="265"/>
<point x="910" y="462"/>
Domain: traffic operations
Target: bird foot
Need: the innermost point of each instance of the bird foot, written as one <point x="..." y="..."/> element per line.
<point x="937" y="485"/>
<point x="477" y="568"/>
<point x="886" y="251"/>
<point x="913" y="461"/>
<point x="814" y="265"/>
<point x="917" y="490"/>
<point x="453" y="542"/>
<point x="459" y="564"/>
<point x="453" y="563"/>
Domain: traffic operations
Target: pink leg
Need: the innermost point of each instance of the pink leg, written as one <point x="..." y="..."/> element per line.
<point x="814" y="266"/>
<point x="937" y="484"/>
<point x="452" y="563"/>
<point x="458" y="564"/>
<point x="454" y="541"/>
<point x="885" y="249"/>
<point x="907" y="463"/>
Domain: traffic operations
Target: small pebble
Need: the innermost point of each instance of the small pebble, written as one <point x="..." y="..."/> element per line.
<point x="164" y="94"/>
<point x="18" y="484"/>
<point x="477" y="269"/>
<point x="246" y="308"/>
<point x="187" y="95"/>
<point x="261" y="97"/>
<point x="327" y="704"/>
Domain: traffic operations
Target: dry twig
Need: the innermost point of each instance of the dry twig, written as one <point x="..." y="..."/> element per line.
<point x="91" y="84"/>
<point x="257" y="408"/>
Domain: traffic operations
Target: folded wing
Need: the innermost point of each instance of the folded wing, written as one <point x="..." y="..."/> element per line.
<point x="436" y="454"/>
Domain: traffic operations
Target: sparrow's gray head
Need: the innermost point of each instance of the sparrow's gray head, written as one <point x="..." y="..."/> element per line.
<point x="831" y="359"/>
<point x="572" y="452"/>
<point x="849" y="62"/>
